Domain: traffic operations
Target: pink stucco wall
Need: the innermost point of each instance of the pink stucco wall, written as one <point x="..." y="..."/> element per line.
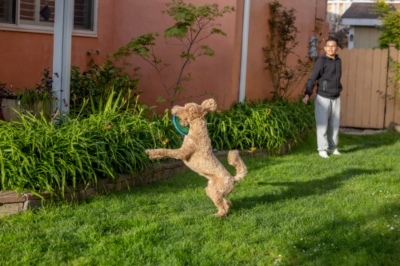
<point x="258" y="84"/>
<point x="211" y="75"/>
<point x="27" y="54"/>
<point x="24" y="55"/>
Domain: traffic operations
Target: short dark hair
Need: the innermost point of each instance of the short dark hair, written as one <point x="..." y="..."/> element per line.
<point x="332" y="39"/>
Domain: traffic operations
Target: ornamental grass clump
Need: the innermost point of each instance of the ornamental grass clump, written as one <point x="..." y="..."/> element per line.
<point x="38" y="155"/>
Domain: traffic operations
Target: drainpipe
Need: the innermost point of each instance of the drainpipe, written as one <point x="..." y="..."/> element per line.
<point x="245" y="39"/>
<point x="63" y="25"/>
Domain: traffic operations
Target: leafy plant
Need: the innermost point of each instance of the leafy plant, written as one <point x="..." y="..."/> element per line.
<point x="38" y="155"/>
<point x="259" y="125"/>
<point x="390" y="35"/>
<point x="281" y="43"/>
<point x="91" y="89"/>
<point x="193" y="25"/>
<point x="40" y="98"/>
<point x="390" y="28"/>
<point x="5" y="93"/>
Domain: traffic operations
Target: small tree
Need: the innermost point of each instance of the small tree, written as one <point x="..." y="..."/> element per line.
<point x="390" y="34"/>
<point x="193" y="25"/>
<point x="281" y="43"/>
<point x="390" y="28"/>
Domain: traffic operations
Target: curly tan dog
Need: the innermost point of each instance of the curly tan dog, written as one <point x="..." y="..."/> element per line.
<point x="196" y="152"/>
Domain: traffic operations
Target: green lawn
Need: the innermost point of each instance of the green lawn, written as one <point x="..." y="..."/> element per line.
<point x="296" y="209"/>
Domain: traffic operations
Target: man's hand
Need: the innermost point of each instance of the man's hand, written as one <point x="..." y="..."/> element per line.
<point x="305" y="99"/>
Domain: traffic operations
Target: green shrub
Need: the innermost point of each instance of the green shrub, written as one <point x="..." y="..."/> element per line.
<point x="38" y="155"/>
<point x="91" y="89"/>
<point x="40" y="98"/>
<point x="259" y="125"/>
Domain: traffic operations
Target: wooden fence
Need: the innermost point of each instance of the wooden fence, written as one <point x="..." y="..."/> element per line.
<point x="368" y="99"/>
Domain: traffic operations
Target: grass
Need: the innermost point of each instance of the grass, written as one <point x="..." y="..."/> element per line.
<point x="296" y="209"/>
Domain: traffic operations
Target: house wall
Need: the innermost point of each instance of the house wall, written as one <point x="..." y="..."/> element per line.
<point x="120" y="21"/>
<point x="27" y="54"/>
<point x="216" y="76"/>
<point x="258" y="84"/>
<point x="366" y="37"/>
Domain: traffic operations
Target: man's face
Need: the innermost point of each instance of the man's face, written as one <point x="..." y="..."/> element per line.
<point x="331" y="48"/>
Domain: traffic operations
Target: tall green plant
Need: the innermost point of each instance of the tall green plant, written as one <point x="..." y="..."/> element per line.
<point x="39" y="98"/>
<point x="259" y="125"/>
<point x="38" y="155"/>
<point x="390" y="34"/>
<point x="193" y="25"/>
<point x="92" y="88"/>
<point x="390" y="28"/>
<point x="281" y="43"/>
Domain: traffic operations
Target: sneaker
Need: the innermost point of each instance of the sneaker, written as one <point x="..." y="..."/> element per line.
<point x="323" y="154"/>
<point x="335" y="152"/>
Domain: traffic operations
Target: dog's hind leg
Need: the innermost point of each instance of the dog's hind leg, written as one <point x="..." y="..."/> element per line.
<point x="219" y="201"/>
<point x="227" y="204"/>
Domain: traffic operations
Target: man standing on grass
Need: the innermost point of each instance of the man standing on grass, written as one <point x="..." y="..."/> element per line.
<point x="328" y="71"/>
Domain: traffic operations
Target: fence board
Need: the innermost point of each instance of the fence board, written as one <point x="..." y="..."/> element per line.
<point x="351" y="93"/>
<point x="344" y="55"/>
<point x="383" y="84"/>
<point x="366" y="121"/>
<point x="359" y="87"/>
<point x="377" y="104"/>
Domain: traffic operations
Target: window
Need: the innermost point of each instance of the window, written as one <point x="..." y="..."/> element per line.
<point x="38" y="16"/>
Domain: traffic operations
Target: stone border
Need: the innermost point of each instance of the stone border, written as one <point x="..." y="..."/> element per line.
<point x="12" y="203"/>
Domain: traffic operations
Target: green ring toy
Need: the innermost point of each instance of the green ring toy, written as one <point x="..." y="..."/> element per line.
<point x="181" y="129"/>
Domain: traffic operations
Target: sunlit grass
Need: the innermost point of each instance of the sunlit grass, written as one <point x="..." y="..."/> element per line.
<point x="296" y="209"/>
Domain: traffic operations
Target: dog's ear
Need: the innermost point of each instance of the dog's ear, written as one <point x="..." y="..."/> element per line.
<point x="209" y="105"/>
<point x="175" y="110"/>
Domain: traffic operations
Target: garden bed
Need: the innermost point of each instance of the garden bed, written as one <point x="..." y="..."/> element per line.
<point x="13" y="203"/>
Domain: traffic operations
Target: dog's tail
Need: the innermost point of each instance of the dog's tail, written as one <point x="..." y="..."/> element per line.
<point x="235" y="160"/>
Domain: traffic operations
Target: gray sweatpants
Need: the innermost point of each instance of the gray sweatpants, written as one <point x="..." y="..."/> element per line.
<point x="327" y="118"/>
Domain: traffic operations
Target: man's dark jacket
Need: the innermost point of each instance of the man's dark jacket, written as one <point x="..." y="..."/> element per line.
<point x="328" y="72"/>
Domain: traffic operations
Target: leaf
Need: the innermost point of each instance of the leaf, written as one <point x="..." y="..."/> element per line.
<point x="179" y="30"/>
<point x="135" y="82"/>
<point x="180" y="89"/>
<point x="218" y="31"/>
<point x="161" y="100"/>
<point x="190" y="56"/>
<point x="207" y="50"/>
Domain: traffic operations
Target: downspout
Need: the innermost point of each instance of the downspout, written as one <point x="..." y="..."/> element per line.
<point x="245" y="40"/>
<point x="63" y="26"/>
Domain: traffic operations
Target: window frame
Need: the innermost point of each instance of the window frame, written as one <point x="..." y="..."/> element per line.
<point x="48" y="29"/>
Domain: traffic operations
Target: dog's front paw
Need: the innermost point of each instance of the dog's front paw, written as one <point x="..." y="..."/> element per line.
<point x="153" y="154"/>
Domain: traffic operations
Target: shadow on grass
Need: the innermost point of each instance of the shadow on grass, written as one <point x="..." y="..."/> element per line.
<point x="300" y="189"/>
<point x="353" y="241"/>
<point x="351" y="143"/>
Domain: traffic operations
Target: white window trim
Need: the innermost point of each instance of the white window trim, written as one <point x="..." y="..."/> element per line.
<point x="47" y="29"/>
